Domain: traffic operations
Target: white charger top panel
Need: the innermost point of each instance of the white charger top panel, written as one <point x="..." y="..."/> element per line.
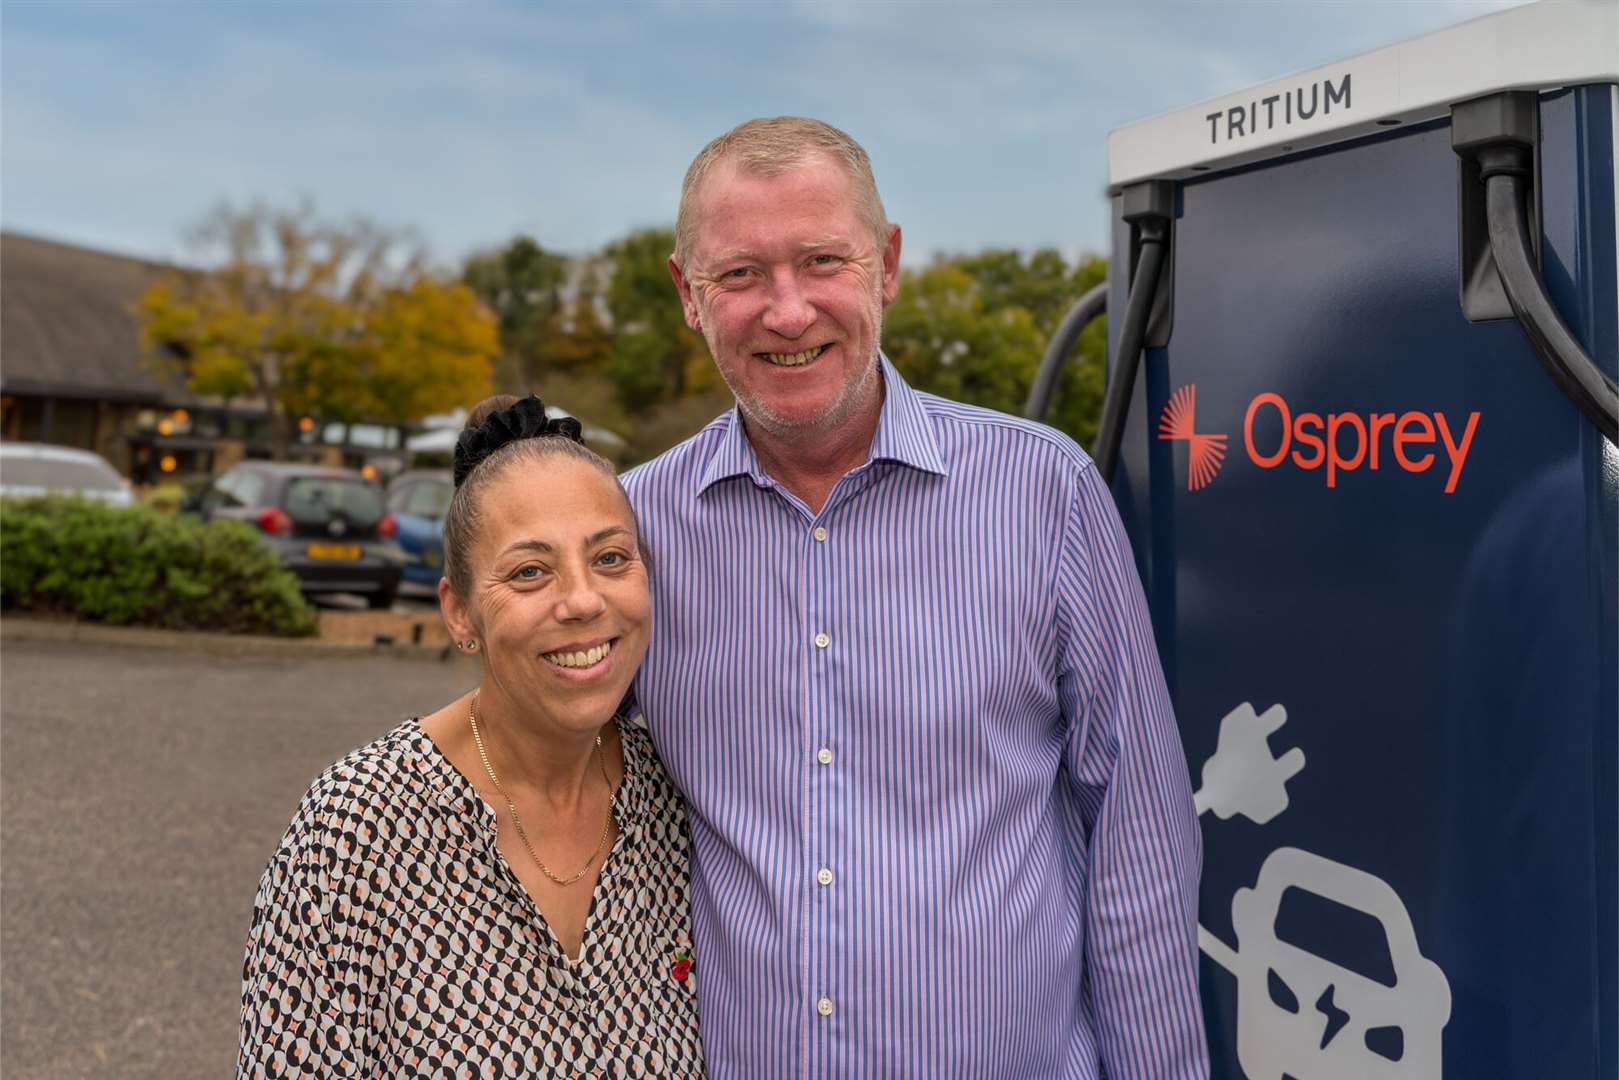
<point x="1535" y="47"/>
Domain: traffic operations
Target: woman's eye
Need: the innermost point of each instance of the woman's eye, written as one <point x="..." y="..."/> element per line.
<point x="613" y="558"/>
<point x="527" y="573"/>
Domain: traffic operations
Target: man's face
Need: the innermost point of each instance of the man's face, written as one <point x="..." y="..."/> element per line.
<point x="787" y="285"/>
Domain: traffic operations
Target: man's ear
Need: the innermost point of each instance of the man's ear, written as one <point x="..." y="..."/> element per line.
<point x="456" y="616"/>
<point x="891" y="266"/>
<point x="687" y="304"/>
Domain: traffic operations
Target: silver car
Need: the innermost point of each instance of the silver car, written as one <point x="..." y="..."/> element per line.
<point x="40" y="469"/>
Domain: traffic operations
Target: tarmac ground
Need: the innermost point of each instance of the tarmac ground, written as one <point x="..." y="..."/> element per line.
<point x="142" y="790"/>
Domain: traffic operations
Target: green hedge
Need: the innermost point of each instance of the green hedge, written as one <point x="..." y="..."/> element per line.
<point x="137" y="566"/>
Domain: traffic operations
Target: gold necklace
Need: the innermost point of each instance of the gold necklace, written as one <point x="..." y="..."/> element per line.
<point x="511" y="807"/>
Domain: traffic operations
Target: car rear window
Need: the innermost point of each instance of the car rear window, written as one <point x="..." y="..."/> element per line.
<point x="429" y="499"/>
<point x="315" y="500"/>
<point x="57" y="475"/>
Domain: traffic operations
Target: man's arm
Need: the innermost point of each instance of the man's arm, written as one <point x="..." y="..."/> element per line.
<point x="1144" y="850"/>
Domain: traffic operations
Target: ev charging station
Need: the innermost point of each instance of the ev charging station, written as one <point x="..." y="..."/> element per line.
<point x="1365" y="418"/>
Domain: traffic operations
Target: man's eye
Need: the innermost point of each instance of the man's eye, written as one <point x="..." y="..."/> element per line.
<point x="825" y="260"/>
<point x="735" y="275"/>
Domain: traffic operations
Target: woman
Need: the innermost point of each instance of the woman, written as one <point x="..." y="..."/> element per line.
<point x="498" y="889"/>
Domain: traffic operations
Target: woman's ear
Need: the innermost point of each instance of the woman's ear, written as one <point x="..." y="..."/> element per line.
<point x="456" y="617"/>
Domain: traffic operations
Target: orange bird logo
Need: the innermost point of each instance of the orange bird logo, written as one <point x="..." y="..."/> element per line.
<point x="1179" y="422"/>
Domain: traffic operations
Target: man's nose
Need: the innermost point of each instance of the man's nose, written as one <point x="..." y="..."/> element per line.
<point x="789" y="312"/>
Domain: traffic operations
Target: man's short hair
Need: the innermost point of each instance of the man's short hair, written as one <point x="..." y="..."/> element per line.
<point x="769" y="147"/>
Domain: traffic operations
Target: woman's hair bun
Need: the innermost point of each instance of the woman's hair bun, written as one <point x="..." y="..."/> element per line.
<point x="525" y="419"/>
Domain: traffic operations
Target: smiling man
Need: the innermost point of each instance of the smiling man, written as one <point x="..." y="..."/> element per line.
<point x="902" y="670"/>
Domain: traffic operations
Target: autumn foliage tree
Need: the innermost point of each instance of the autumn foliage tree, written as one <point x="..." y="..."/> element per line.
<point x="340" y="321"/>
<point x="974" y="328"/>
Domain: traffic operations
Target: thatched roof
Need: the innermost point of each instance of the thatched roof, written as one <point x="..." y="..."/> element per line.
<point x="65" y="324"/>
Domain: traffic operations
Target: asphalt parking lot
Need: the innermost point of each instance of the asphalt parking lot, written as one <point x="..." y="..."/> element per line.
<point x="141" y="793"/>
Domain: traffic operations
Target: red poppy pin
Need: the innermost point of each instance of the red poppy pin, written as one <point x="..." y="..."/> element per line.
<point x="680" y="967"/>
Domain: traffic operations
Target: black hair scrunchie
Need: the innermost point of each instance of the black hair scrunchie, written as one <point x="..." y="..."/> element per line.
<point x="524" y="420"/>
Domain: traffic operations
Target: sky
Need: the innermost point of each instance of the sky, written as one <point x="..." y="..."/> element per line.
<point x="122" y="122"/>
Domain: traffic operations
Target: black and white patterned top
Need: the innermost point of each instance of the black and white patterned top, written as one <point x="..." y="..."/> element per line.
<point x="391" y="938"/>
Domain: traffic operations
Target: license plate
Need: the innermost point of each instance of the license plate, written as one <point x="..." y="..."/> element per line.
<point x="334" y="551"/>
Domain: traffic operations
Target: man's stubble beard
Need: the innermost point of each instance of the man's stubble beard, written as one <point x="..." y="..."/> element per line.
<point x="848" y="404"/>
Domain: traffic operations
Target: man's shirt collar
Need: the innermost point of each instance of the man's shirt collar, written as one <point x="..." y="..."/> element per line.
<point x="903" y="435"/>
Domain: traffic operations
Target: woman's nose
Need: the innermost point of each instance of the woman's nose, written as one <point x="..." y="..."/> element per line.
<point x="580" y="599"/>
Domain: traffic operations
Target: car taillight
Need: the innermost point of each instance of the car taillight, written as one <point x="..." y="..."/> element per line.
<point x="274" y="520"/>
<point x="388" y="526"/>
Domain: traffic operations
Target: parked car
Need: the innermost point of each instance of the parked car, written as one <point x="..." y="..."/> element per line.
<point x="418" y="501"/>
<point x="329" y="526"/>
<point x="40" y="469"/>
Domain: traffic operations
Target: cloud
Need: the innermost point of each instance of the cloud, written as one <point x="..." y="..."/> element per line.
<point x="987" y="122"/>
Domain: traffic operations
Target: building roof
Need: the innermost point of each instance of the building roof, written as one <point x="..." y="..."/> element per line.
<point x="66" y="329"/>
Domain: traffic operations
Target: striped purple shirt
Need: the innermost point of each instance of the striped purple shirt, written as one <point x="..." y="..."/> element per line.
<point x="941" y="818"/>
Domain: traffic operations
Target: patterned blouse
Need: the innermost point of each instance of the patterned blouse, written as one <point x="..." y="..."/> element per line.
<point x="391" y="938"/>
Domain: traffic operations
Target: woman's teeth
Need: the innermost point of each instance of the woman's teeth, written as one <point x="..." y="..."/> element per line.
<point x="587" y="658"/>
<point x="796" y="359"/>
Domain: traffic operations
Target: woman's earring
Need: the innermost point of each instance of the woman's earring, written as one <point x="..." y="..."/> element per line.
<point x="470" y="645"/>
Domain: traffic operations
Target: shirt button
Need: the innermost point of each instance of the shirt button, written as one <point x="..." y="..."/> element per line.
<point x="824" y="876"/>
<point x="819" y="534"/>
<point x="824" y="756"/>
<point x="824" y="1006"/>
<point x="822" y="641"/>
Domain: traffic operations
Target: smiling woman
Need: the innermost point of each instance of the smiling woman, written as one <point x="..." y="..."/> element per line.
<point x="502" y="883"/>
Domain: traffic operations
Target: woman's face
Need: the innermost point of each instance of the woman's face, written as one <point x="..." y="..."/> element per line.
<point x="558" y="597"/>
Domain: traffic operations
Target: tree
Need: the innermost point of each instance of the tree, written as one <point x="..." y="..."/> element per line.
<point x="974" y="328"/>
<point x="1041" y="284"/>
<point x="427" y="347"/>
<point x="583" y="339"/>
<point x="655" y="355"/>
<point x="315" y="318"/>
<point x="945" y="339"/>
<point x="523" y="285"/>
<point x="1077" y="406"/>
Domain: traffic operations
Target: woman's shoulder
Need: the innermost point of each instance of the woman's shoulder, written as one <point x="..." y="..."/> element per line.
<point x="357" y="796"/>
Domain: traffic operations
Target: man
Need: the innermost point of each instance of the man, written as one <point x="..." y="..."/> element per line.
<point x="902" y="670"/>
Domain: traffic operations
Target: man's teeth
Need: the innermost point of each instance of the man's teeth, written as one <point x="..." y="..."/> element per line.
<point x="794" y="359"/>
<point x="587" y="658"/>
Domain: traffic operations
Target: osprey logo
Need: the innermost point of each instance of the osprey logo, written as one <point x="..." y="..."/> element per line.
<point x="1275" y="434"/>
<point x="1178" y="422"/>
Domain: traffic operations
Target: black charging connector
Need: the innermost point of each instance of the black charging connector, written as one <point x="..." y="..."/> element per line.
<point x="1491" y="134"/>
<point x="1496" y="138"/>
<point x="1149" y="208"/>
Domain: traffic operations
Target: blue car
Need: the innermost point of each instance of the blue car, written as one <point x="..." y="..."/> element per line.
<point x="418" y="501"/>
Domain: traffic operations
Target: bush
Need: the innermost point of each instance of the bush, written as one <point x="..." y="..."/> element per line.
<point x="137" y="566"/>
<point x="165" y="498"/>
